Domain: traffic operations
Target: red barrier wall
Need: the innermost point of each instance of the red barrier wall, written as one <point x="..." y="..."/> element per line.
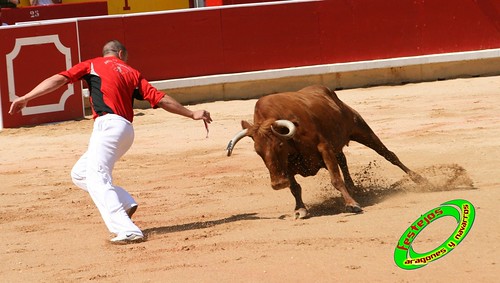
<point x="270" y="37"/>
<point x="231" y="39"/>
<point x="199" y="37"/>
<point x="459" y="25"/>
<point x="247" y="38"/>
<point x="365" y="29"/>
<point x="358" y="30"/>
<point x="290" y="34"/>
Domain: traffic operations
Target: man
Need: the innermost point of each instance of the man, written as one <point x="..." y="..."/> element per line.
<point x="44" y="2"/>
<point x="113" y="85"/>
<point x="9" y="3"/>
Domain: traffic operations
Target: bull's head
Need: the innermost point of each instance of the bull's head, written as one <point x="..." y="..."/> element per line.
<point x="270" y="142"/>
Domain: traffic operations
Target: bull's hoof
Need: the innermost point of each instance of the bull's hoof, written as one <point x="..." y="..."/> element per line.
<point x="300" y="213"/>
<point x="421" y="181"/>
<point x="353" y="208"/>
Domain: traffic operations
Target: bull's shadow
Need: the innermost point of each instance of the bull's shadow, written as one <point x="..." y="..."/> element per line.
<point x="200" y="224"/>
<point x="372" y="189"/>
<point x="365" y="196"/>
<point x="329" y="206"/>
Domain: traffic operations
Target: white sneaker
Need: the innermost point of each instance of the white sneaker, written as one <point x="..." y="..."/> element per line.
<point x="127" y="239"/>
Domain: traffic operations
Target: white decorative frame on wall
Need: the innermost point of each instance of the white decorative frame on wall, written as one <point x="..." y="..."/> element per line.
<point x="37" y="40"/>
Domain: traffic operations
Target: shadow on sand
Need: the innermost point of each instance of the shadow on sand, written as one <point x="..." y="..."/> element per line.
<point x="200" y="224"/>
<point x="370" y="190"/>
<point x="365" y="196"/>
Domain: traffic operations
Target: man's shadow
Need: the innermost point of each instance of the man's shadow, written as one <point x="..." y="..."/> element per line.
<point x="366" y="195"/>
<point x="201" y="224"/>
<point x="330" y="206"/>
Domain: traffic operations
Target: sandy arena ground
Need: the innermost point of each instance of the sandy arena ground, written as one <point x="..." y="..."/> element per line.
<point x="213" y="218"/>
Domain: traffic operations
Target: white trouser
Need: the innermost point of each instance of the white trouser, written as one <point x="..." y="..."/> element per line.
<point x="111" y="137"/>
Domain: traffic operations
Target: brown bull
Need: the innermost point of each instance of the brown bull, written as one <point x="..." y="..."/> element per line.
<point x="302" y="132"/>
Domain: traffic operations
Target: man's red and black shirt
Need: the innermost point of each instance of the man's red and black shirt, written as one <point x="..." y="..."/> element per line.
<point x="113" y="86"/>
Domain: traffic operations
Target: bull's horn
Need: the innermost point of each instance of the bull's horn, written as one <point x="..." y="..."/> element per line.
<point x="287" y="124"/>
<point x="241" y="134"/>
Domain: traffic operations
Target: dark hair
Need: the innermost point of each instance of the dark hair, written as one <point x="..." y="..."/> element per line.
<point x="113" y="47"/>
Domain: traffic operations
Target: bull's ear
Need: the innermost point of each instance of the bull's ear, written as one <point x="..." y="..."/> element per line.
<point x="245" y="124"/>
<point x="248" y="127"/>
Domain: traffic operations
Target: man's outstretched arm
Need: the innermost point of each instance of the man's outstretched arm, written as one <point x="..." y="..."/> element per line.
<point x="171" y="105"/>
<point x="48" y="85"/>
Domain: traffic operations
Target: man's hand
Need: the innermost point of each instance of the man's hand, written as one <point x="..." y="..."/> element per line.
<point x="202" y="114"/>
<point x="205" y="115"/>
<point x="171" y="105"/>
<point x="48" y="85"/>
<point x="17" y="105"/>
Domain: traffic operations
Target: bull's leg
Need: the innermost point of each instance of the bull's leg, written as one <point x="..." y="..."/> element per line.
<point x="330" y="160"/>
<point x="345" y="171"/>
<point x="296" y="189"/>
<point x="364" y="135"/>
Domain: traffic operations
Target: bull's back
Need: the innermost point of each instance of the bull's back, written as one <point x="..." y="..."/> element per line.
<point x="320" y="114"/>
<point x="312" y="102"/>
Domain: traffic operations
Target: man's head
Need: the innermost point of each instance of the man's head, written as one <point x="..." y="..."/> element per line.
<point x="115" y="48"/>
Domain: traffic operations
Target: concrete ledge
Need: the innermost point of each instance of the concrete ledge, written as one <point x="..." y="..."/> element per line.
<point x="336" y="76"/>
